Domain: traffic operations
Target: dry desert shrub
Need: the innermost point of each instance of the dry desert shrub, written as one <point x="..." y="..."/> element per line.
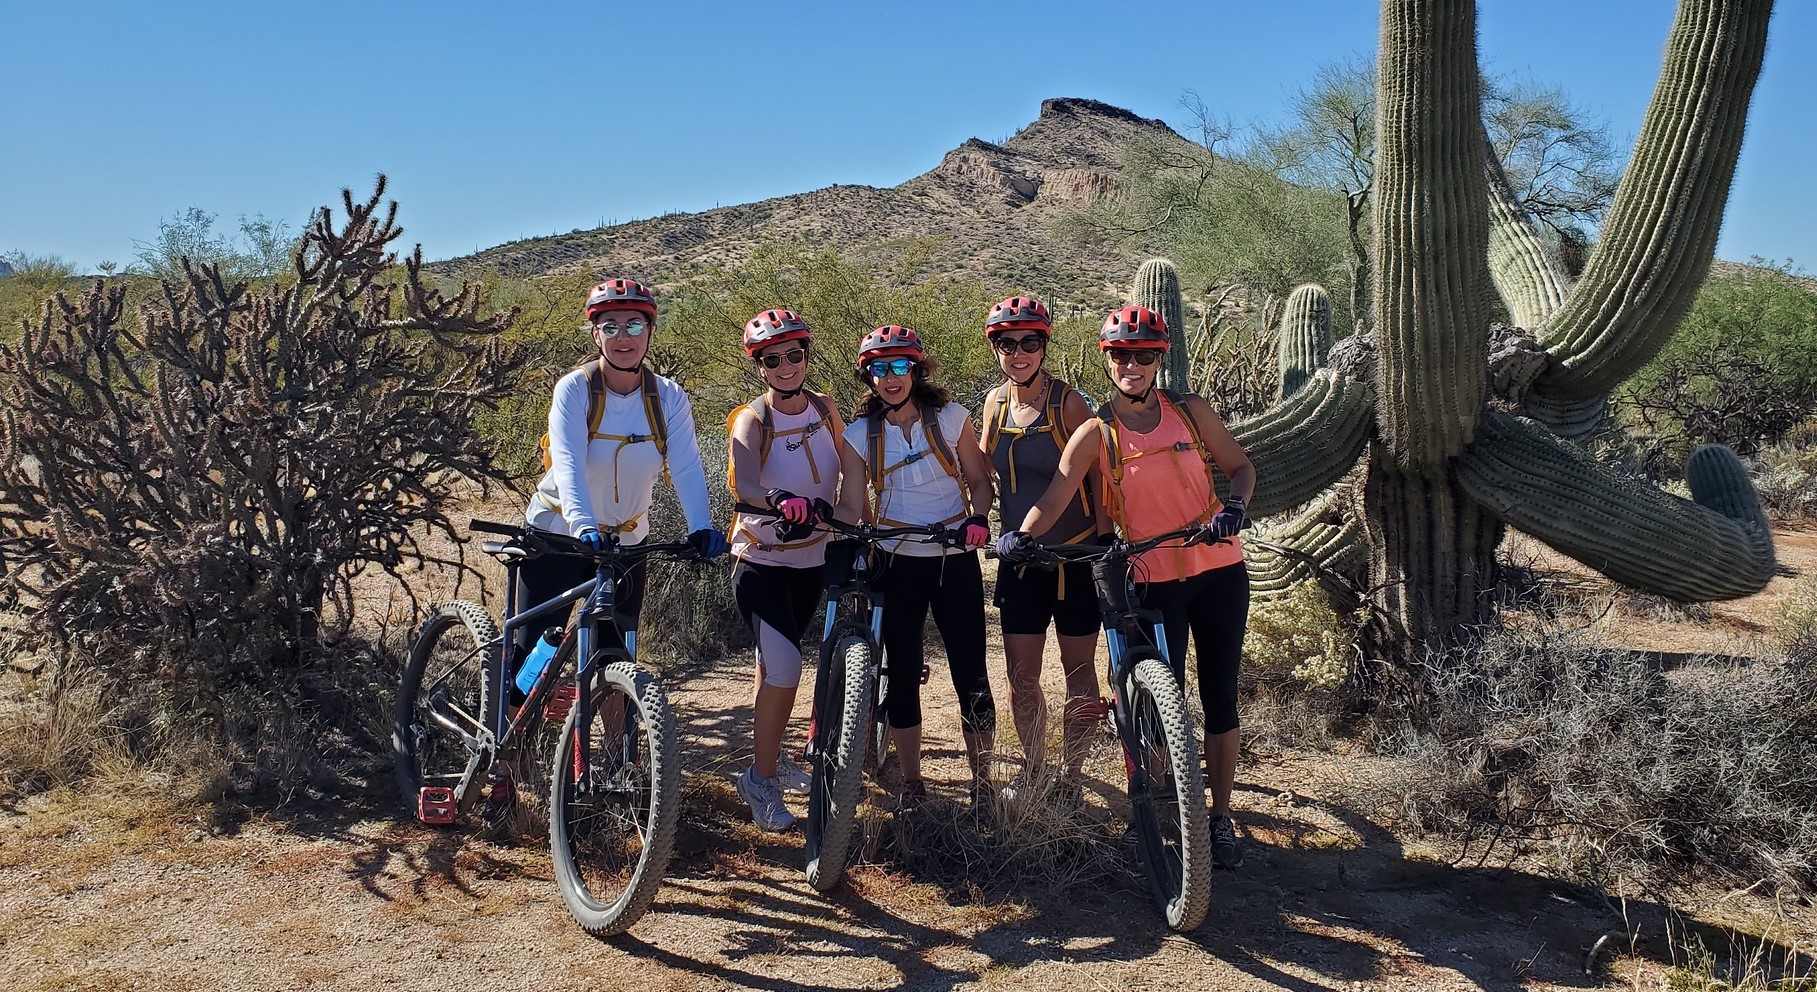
<point x="1541" y="738"/>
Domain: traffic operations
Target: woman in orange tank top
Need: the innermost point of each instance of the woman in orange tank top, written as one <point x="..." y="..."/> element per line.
<point x="1154" y="450"/>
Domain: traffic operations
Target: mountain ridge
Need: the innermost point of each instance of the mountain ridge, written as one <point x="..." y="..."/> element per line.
<point x="987" y="210"/>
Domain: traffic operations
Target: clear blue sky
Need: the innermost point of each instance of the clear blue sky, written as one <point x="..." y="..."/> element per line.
<point x="496" y="123"/>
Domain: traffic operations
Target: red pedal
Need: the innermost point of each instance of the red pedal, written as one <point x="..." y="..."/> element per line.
<point x="435" y="805"/>
<point x="561" y="699"/>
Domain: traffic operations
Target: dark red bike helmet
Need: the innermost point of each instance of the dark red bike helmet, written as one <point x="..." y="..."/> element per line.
<point x="774" y="327"/>
<point x="1133" y="327"/>
<point x="1018" y="313"/>
<point x="889" y="341"/>
<point x="621" y="294"/>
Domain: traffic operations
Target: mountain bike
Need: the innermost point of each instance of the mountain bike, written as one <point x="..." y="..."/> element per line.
<point x="615" y="787"/>
<point x="1160" y="747"/>
<point x="847" y="732"/>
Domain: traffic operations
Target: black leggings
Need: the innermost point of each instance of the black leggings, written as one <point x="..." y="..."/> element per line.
<point x="1215" y="605"/>
<point x="542" y="579"/>
<point x="953" y="587"/>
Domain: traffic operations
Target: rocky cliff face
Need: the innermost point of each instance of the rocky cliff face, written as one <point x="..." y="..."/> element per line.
<point x="987" y="210"/>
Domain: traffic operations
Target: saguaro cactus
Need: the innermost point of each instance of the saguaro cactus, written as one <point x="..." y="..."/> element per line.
<point x="1158" y="288"/>
<point x="1305" y="337"/>
<point x="1445" y="472"/>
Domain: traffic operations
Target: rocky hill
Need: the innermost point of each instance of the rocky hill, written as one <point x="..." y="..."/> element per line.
<point x="986" y="209"/>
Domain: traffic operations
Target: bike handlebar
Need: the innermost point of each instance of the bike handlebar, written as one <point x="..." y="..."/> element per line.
<point x="561" y="544"/>
<point x="1050" y="556"/>
<point x="927" y="533"/>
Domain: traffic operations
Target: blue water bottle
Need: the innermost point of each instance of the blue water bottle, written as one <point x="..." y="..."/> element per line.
<point x="538" y="660"/>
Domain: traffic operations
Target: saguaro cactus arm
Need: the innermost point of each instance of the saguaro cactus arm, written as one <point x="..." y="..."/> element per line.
<point x="1714" y="546"/>
<point x="1327" y="534"/>
<point x="1529" y="278"/>
<point x="1660" y="233"/>
<point x="1305" y="443"/>
<point x="1305" y="337"/>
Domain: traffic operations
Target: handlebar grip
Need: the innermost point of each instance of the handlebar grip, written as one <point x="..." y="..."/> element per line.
<point x="488" y="527"/>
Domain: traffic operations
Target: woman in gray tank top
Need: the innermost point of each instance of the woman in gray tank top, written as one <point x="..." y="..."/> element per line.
<point x="1026" y="422"/>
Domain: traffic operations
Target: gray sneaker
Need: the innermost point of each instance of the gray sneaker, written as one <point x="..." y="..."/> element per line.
<point x="764" y="797"/>
<point x="1226" y="852"/>
<point x="793" y="777"/>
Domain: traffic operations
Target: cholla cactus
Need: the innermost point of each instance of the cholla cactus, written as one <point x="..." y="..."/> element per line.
<point x="1446" y="472"/>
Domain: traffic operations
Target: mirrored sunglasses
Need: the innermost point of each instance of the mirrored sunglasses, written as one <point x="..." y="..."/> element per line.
<point x="881" y="367"/>
<point x="1030" y="344"/>
<point x="794" y="356"/>
<point x="1135" y="356"/>
<point x="611" y="328"/>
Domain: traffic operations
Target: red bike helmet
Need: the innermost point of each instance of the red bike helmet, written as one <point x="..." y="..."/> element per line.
<point x="889" y="341"/>
<point x="621" y="294"/>
<point x="1018" y="313"/>
<point x="773" y="327"/>
<point x="1133" y="327"/>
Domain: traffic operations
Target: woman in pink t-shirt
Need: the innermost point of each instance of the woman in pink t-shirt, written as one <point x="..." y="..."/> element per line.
<point x="788" y="453"/>
<point x="1158" y="482"/>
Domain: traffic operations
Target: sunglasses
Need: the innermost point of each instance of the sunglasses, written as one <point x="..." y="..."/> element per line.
<point x="609" y="328"/>
<point x="794" y="356"/>
<point x="1136" y="356"/>
<point x="1030" y="344"/>
<point x="881" y="367"/>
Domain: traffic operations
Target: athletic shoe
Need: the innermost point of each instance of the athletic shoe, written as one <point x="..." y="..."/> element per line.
<point x="793" y="777"/>
<point x="1225" y="851"/>
<point x="765" y="799"/>
<point x="913" y="794"/>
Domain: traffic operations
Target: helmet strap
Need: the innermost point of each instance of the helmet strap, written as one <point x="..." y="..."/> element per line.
<point x="788" y="394"/>
<point x="1039" y="371"/>
<point x="1133" y="398"/>
<point x="620" y="368"/>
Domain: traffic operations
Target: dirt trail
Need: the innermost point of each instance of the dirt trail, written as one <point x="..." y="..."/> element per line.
<point x="122" y="891"/>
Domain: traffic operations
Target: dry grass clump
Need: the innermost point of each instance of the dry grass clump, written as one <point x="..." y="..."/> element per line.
<point x="1038" y="841"/>
<point x="1541" y="738"/>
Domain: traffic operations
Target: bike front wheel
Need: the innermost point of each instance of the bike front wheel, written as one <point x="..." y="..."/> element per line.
<point x="444" y="703"/>
<point x="838" y="784"/>
<point x="613" y="812"/>
<point x="1167" y="796"/>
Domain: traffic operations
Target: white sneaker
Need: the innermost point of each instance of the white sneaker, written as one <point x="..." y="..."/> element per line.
<point x="792" y="776"/>
<point x="765" y="799"/>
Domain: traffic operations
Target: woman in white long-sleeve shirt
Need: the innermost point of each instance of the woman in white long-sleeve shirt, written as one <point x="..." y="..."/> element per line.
<point x="602" y="476"/>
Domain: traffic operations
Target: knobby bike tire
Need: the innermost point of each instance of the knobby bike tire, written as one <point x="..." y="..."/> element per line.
<point x="456" y="648"/>
<point x="633" y="784"/>
<point x="838" y="784"/>
<point x="1174" y="843"/>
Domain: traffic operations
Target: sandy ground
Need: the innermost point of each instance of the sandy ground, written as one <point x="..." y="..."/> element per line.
<point x="114" y="889"/>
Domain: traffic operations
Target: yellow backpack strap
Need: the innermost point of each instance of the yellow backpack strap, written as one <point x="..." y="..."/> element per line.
<point x="996" y="410"/>
<point x="1192" y="426"/>
<point x="596" y="396"/>
<point x="731" y="463"/>
<point x="873" y="444"/>
<point x="596" y="410"/>
<point x="1058" y="390"/>
<point x="659" y="424"/>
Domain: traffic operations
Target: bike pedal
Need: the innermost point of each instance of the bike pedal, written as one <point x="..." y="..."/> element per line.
<point x="435" y="805"/>
<point x="561" y="699"/>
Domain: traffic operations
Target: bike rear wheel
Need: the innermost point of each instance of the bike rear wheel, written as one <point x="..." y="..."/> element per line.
<point x="449" y="678"/>
<point x="838" y="785"/>
<point x="1167" y="796"/>
<point x="612" y="822"/>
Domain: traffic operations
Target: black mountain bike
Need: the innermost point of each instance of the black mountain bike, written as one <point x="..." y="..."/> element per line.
<point x="1160" y="746"/>
<point x="615" y="787"/>
<point x="847" y="732"/>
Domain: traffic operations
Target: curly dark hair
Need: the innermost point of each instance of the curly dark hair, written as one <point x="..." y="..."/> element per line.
<point x="927" y="394"/>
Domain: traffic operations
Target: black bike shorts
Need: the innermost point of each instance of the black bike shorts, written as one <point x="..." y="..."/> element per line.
<point x="1028" y="599"/>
